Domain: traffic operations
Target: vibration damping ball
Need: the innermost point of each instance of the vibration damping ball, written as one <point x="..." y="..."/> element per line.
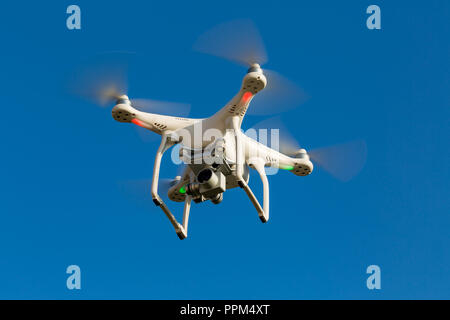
<point x="193" y="189"/>
<point x="217" y="199"/>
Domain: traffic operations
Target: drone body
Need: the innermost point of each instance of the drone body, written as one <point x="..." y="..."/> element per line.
<point x="217" y="152"/>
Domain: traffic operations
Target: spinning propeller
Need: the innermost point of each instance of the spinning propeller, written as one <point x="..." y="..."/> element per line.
<point x="240" y="41"/>
<point x="138" y="190"/>
<point x="343" y="161"/>
<point x="104" y="80"/>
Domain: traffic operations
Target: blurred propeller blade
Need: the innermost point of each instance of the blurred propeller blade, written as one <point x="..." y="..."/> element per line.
<point x="162" y="107"/>
<point x="343" y="161"/>
<point x="146" y="135"/>
<point x="287" y="144"/>
<point x="241" y="42"/>
<point x="279" y="95"/>
<point x="139" y="191"/>
<point x="104" y="78"/>
<point x="166" y="184"/>
<point x="101" y="80"/>
<point x="237" y="40"/>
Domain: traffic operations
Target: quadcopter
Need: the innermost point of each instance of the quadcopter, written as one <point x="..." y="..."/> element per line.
<point x="218" y="155"/>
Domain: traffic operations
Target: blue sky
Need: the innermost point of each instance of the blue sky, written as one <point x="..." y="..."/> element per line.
<point x="63" y="158"/>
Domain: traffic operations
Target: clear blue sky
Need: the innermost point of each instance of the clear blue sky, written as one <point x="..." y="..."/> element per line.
<point x="62" y="158"/>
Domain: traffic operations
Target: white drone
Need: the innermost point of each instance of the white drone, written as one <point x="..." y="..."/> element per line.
<point x="216" y="152"/>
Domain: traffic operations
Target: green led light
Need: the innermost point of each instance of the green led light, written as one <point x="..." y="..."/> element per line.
<point x="182" y="190"/>
<point x="287" y="167"/>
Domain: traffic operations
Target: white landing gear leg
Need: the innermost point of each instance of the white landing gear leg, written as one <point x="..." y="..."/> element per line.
<point x="239" y="172"/>
<point x="258" y="164"/>
<point x="186" y="210"/>
<point x="181" y="230"/>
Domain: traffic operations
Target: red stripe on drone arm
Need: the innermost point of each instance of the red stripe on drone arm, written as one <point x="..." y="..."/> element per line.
<point x="138" y="122"/>
<point x="246" y="97"/>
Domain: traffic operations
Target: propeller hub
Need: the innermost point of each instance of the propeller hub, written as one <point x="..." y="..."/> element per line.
<point x="301" y="154"/>
<point x="254" y="68"/>
<point x="123" y="99"/>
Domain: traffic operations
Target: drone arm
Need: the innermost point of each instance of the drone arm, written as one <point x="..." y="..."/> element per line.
<point x="166" y="143"/>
